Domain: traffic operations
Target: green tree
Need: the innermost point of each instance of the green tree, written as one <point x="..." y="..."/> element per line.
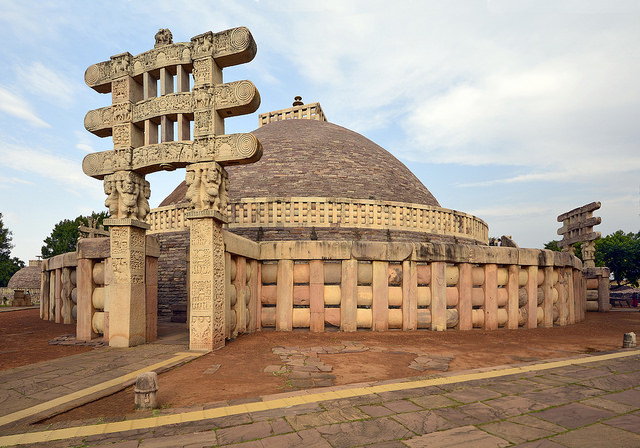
<point x="64" y="236"/>
<point x="553" y="245"/>
<point x="8" y="265"/>
<point x="620" y="252"/>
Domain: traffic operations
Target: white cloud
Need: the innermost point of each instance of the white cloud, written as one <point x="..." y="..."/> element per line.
<point x="47" y="83"/>
<point x="84" y="147"/>
<point x="545" y="87"/>
<point x="84" y="141"/>
<point x="18" y="107"/>
<point x="6" y="181"/>
<point x="512" y="210"/>
<point x="48" y="165"/>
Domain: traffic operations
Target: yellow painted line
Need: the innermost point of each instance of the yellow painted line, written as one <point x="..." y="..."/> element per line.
<point x="153" y="422"/>
<point x="10" y="418"/>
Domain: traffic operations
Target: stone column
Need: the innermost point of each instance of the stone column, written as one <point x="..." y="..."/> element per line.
<point x="284" y="304"/>
<point x="206" y="277"/>
<point x="44" y="291"/>
<point x="513" y="285"/>
<point x="316" y="295"/>
<point x="465" y="293"/>
<point x="349" y="296"/>
<point x="532" y="297"/>
<point x="207" y="189"/>
<point x="603" y="290"/>
<point x="127" y="291"/>
<point x="438" y="296"/>
<point x="490" y="288"/>
<point x="409" y="295"/>
<point x="380" y="303"/>
<point x="86" y="285"/>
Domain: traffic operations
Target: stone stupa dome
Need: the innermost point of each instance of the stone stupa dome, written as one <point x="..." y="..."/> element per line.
<point x="309" y="158"/>
<point x="318" y="180"/>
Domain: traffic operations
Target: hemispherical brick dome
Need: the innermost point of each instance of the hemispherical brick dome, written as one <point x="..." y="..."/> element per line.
<point x="26" y="278"/>
<point x="308" y="158"/>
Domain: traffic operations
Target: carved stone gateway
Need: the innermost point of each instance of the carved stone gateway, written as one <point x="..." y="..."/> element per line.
<point x="577" y="227"/>
<point x="151" y="133"/>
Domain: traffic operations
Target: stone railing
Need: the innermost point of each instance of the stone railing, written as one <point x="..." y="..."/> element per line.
<point x="76" y="286"/>
<point x="311" y="111"/>
<point x="329" y="212"/>
<point x="597" y="288"/>
<point x="58" y="291"/>
<point x="168" y="219"/>
<point x="407" y="286"/>
<point x="242" y="277"/>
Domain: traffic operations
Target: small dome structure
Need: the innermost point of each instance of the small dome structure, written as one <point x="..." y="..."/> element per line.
<point x="27" y="278"/>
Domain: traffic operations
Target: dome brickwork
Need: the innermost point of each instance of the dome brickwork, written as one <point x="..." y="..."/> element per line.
<point x="308" y="158"/>
<point x="26" y="278"/>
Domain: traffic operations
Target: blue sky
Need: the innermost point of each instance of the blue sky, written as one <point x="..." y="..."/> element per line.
<point x="514" y="111"/>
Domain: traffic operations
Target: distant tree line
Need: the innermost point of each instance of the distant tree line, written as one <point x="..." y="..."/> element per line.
<point x="8" y="265"/>
<point x="64" y="236"/>
<point x="619" y="251"/>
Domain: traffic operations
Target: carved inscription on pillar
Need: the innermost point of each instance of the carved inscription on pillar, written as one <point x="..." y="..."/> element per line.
<point x="126" y="292"/>
<point x="207" y="285"/>
<point x="128" y="254"/>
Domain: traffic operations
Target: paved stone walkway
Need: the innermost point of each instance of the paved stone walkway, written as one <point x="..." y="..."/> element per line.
<point x="36" y="391"/>
<point x="590" y="401"/>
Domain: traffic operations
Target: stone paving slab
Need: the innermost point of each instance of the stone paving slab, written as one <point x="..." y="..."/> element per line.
<point x="405" y="413"/>
<point x="598" y="436"/>
<point x="460" y="437"/>
<point x="41" y="390"/>
<point x="574" y="415"/>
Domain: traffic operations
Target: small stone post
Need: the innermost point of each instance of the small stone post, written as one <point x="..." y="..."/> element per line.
<point x="146" y="391"/>
<point x="629" y="340"/>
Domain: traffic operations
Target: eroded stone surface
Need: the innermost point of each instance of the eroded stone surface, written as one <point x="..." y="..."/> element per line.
<point x="303" y="367"/>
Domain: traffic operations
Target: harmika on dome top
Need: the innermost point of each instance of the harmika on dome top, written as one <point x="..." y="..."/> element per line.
<point x="309" y="158"/>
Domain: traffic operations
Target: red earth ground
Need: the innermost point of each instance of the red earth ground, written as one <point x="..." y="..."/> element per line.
<point x="23" y="339"/>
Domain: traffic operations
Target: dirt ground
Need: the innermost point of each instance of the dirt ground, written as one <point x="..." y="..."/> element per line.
<point x="24" y="339"/>
<point x="242" y="362"/>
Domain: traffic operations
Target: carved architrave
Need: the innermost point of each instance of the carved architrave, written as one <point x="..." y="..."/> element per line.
<point x="226" y="150"/>
<point x="229" y="47"/>
<point x="207" y="105"/>
<point x="202" y="45"/>
<point x="577" y="227"/>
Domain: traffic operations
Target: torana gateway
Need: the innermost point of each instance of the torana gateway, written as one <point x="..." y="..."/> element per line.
<point x="317" y="227"/>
